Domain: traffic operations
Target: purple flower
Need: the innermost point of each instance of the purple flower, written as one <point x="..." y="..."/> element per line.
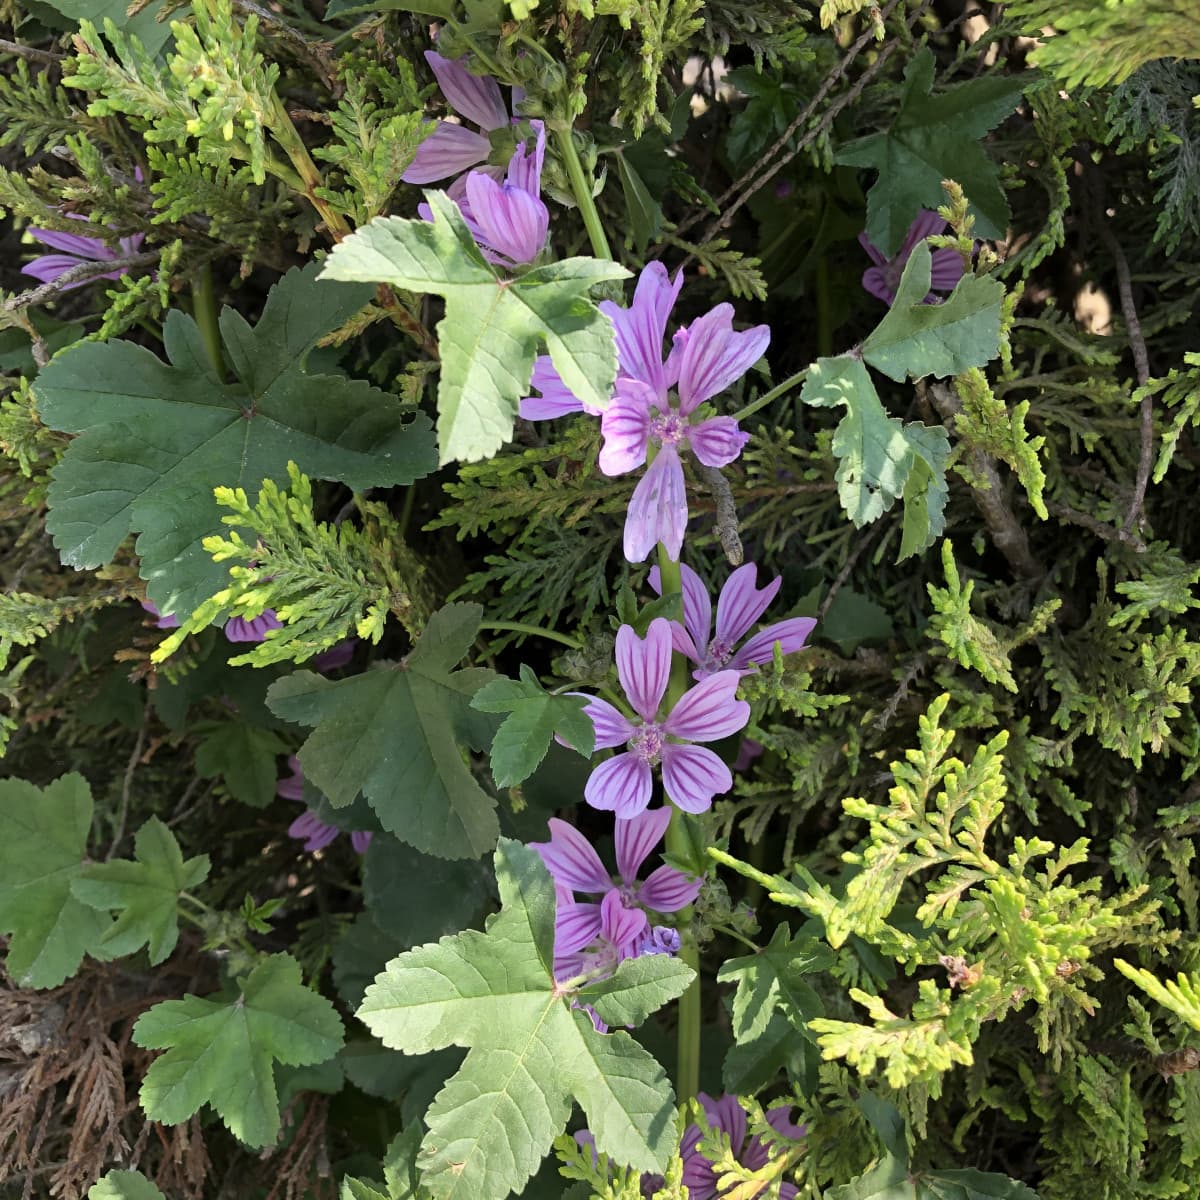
<point x="170" y="621"/>
<point x="308" y="827"/>
<point x="255" y="629"/>
<point x="727" y="1115"/>
<point x="740" y="604"/>
<point x="708" y="712"/>
<point x="76" y="250"/>
<point x="336" y="656"/>
<point x="576" y="867"/>
<point x="883" y="278"/>
<point x="593" y="943"/>
<point x="453" y="148"/>
<point x="659" y="939"/>
<point x="748" y="751"/>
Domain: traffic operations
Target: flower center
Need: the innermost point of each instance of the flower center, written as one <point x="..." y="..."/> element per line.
<point x="719" y="653"/>
<point x="647" y="744"/>
<point x="668" y="428"/>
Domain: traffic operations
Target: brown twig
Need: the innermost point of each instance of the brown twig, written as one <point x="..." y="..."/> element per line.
<point x="860" y="545"/>
<point x="1141" y="365"/>
<point x="727" y="518"/>
<point x="28" y="52"/>
<point x="79" y="274"/>
<point x="126" y="788"/>
<point x="1110" y="533"/>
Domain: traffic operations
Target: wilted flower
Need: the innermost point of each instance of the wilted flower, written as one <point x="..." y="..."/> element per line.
<point x="576" y="867"/>
<point x="308" y="827"/>
<point x="692" y="775"/>
<point x="77" y="249"/>
<point x="727" y="1115"/>
<point x="883" y="278"/>
<point x="739" y="605"/>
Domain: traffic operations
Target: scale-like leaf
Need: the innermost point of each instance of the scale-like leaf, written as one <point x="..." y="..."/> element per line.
<point x="773" y="978"/>
<point x="43" y="836"/>
<point x="935" y="138"/>
<point x="155" y="438"/>
<point x="535" y="716"/>
<point x="396" y="734"/>
<point x="145" y="892"/>
<point x="915" y="339"/>
<point x="220" y="1052"/>
<point x="530" y="1053"/>
<point x="494" y="327"/>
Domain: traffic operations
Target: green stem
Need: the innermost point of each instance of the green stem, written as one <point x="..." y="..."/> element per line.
<point x="288" y="137"/>
<point x="581" y="186"/>
<point x="534" y="631"/>
<point x="204" y="309"/>
<point x="767" y="397"/>
<point x="687" y="1068"/>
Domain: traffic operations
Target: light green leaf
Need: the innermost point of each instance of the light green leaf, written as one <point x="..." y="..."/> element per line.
<point x="220" y="1052"/>
<point x="751" y="1065"/>
<point x="155" y="438"/>
<point x="494" y="327"/>
<point x="124" y="1185"/>
<point x="915" y="339"/>
<point x="877" y="453"/>
<point x="43" y="838"/>
<point x="396" y="734"/>
<point x="772" y="979"/>
<point x="144" y="24"/>
<point x="530" y="1054"/>
<point x="244" y="757"/>
<point x="891" y="1179"/>
<point x="534" y="718"/>
<point x="935" y="138"/>
<point x="639" y="987"/>
<point x="146" y="892"/>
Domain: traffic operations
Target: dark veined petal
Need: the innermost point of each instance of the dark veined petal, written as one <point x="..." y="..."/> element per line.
<point x="511" y="222"/>
<point x="622" y="926"/>
<point x="710" y="710"/>
<point x="556" y="400"/>
<point x="476" y="97"/>
<point x="697" y="610"/>
<point x="792" y="635"/>
<point x="74" y="244"/>
<point x="692" y="776"/>
<point x="644" y="665"/>
<point x="572" y="859"/>
<point x="636" y="839"/>
<point x="448" y="150"/>
<point x="657" y="509"/>
<point x="625" y="427"/>
<point x="714" y="356"/>
<point x="875" y="282"/>
<point x="668" y="890"/>
<point x="717" y="441"/>
<point x="641" y="328"/>
<point x="742" y="602"/>
<point x="612" y="727"/>
<point x="946" y="269"/>
<point x="621" y="785"/>
<point x="575" y="926"/>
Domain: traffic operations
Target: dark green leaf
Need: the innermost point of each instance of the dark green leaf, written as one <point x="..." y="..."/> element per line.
<point x="244" y="757"/>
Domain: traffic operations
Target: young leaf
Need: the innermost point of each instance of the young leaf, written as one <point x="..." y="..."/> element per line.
<point x="124" y="1185"/>
<point x="396" y="734"/>
<point x="772" y="979"/>
<point x="146" y="892"/>
<point x="881" y="458"/>
<point x="534" y="718"/>
<point x="935" y="138"/>
<point x="43" y="836"/>
<point x="155" y="437"/>
<point x="220" y="1052"/>
<point x="494" y="327"/>
<point x="530" y="1054"/>
<point x="915" y="339"/>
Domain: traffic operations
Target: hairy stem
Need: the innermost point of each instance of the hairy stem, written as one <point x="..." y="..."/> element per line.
<point x="780" y="389"/>
<point x="687" y="1069"/>
<point x="581" y="186"/>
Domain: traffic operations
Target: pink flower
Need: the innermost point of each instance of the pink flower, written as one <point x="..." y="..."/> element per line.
<point x="740" y="604"/>
<point x="308" y="827"/>
<point x="692" y="775"/>
<point x="883" y="278"/>
<point x="252" y="629"/>
<point x="76" y="250"/>
<point x="727" y="1115"/>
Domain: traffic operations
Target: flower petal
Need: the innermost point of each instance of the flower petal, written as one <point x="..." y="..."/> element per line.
<point x="636" y="839"/>
<point x="668" y="890"/>
<point x="657" y="509"/>
<point x="621" y="785"/>
<point x="476" y="97"/>
<point x="792" y="635"/>
<point x="360" y="840"/>
<point x="728" y="1115"/>
<point x="875" y="281"/>
<point x="448" y="150"/>
<point x="717" y="441"/>
<point x="511" y="222"/>
<point x="622" y="926"/>
<point x="74" y="244"/>
<point x="697" y="609"/>
<point x="924" y="225"/>
<point x="291" y="787"/>
<point x="710" y="710"/>
<point x="692" y="775"/>
<point x="625" y="427"/>
<point x="572" y="859"/>
<point x="877" y="255"/>
<point x="525" y="166"/>
<point x="556" y="400"/>
<point x="641" y="328"/>
<point x="714" y="356"/>
<point x="644" y="665"/>
<point x="946" y="269"/>
<point x="49" y="267"/>
<point x="575" y="926"/>
<point x="318" y="834"/>
<point x="612" y="727"/>
<point x="741" y="603"/>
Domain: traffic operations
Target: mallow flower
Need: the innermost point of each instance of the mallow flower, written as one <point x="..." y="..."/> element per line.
<point x="727" y="1115"/>
<point x="76" y="249"/>
<point x="452" y="148"/>
<point x="507" y="218"/>
<point x="883" y="278"/>
<point x="576" y="867"/>
<point x="308" y="827"/>
<point x="692" y="775"/>
<point x="739" y="606"/>
<point x="252" y="629"/>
